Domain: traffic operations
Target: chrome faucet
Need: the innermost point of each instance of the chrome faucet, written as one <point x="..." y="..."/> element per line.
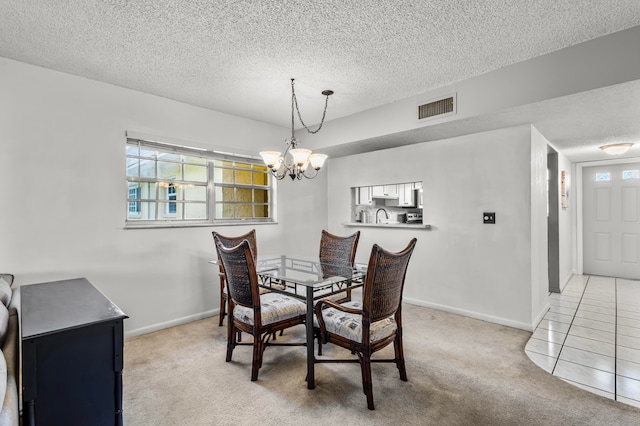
<point x="385" y="213"/>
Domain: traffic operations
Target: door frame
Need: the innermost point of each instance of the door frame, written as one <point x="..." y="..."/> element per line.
<point x="579" y="199"/>
<point x="553" y="213"/>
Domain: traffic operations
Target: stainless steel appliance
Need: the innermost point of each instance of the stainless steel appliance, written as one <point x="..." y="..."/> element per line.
<point x="414" y="217"/>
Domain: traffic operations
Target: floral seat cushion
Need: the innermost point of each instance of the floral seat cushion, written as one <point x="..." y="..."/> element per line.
<point x="350" y="325"/>
<point x="274" y="307"/>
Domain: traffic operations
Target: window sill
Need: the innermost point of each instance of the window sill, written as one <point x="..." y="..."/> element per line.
<point x="197" y="225"/>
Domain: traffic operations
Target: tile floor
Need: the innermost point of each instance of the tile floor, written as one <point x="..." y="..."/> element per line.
<point x="590" y="337"/>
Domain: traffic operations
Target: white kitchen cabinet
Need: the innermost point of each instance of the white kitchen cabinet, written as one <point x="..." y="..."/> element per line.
<point x="363" y="196"/>
<point x="401" y="195"/>
<point x="406" y="195"/>
<point x="390" y="190"/>
<point x="385" y="191"/>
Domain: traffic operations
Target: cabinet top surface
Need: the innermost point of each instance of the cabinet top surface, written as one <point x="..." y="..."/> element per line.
<point x="51" y="307"/>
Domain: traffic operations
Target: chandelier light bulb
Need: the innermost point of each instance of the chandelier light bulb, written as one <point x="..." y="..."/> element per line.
<point x="300" y="156"/>
<point x="317" y="160"/>
<point x="271" y="158"/>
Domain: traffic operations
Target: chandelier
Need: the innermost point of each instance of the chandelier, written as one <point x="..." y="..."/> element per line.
<point x="296" y="162"/>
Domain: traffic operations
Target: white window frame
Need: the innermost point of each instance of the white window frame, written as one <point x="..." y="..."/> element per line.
<point x="135" y="204"/>
<point x="165" y="218"/>
<point x="172" y="195"/>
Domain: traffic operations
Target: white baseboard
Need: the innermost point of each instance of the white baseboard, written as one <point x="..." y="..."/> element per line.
<point x="471" y="314"/>
<point x="566" y="280"/>
<point x="172" y="323"/>
<point x="541" y="315"/>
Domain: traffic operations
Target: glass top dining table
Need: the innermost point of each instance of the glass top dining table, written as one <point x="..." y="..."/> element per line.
<point x="308" y="279"/>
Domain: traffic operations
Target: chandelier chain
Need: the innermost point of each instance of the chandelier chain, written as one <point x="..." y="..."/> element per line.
<point x="294" y="102"/>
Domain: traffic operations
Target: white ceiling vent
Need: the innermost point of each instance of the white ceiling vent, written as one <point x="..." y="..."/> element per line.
<point x="440" y="107"/>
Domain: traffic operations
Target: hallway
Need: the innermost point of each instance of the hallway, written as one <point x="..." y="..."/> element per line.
<point x="590" y="337"/>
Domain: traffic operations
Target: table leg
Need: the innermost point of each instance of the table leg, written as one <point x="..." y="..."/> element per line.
<point x="311" y="382"/>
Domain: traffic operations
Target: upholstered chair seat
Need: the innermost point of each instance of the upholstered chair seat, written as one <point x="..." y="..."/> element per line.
<point x="349" y="325"/>
<point x="274" y="307"/>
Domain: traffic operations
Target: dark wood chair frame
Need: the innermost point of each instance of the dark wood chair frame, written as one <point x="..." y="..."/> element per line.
<point x="232" y="242"/>
<point x="243" y="290"/>
<point x="382" y="298"/>
<point x="340" y="248"/>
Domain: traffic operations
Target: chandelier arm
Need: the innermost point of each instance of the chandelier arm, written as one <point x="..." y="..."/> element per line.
<point x="274" y="174"/>
<point x="291" y="144"/>
<point x="310" y="176"/>
<point x="280" y="173"/>
<point x="294" y="172"/>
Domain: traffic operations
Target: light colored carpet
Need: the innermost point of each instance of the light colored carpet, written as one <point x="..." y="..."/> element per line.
<point x="461" y="371"/>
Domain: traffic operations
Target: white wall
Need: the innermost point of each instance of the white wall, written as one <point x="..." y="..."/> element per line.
<point x="461" y="264"/>
<point x="302" y="210"/>
<point x="62" y="144"/>
<point x="566" y="223"/>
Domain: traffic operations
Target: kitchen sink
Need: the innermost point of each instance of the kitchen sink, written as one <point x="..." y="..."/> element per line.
<point x="388" y="222"/>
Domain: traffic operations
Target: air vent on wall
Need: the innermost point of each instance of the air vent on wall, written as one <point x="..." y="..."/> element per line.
<point x="437" y="107"/>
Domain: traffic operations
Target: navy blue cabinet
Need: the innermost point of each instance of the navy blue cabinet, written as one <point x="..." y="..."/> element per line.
<point x="72" y="355"/>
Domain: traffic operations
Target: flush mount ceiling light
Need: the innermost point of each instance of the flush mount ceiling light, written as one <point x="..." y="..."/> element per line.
<point x="295" y="162"/>
<point x="616" y="148"/>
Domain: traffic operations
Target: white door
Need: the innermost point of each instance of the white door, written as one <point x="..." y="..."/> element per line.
<point x="611" y="220"/>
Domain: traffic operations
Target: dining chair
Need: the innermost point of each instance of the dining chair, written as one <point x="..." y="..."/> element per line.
<point x="260" y="315"/>
<point x="232" y="242"/>
<point x="335" y="252"/>
<point x="368" y="326"/>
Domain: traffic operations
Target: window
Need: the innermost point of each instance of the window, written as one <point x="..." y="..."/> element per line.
<point x="631" y="174"/>
<point x="241" y="190"/>
<point x="603" y="176"/>
<point x="134" y="206"/>
<point x="171" y="196"/>
<point x="171" y="185"/>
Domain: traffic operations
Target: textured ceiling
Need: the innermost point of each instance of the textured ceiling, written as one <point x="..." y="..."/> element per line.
<point x="238" y="56"/>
